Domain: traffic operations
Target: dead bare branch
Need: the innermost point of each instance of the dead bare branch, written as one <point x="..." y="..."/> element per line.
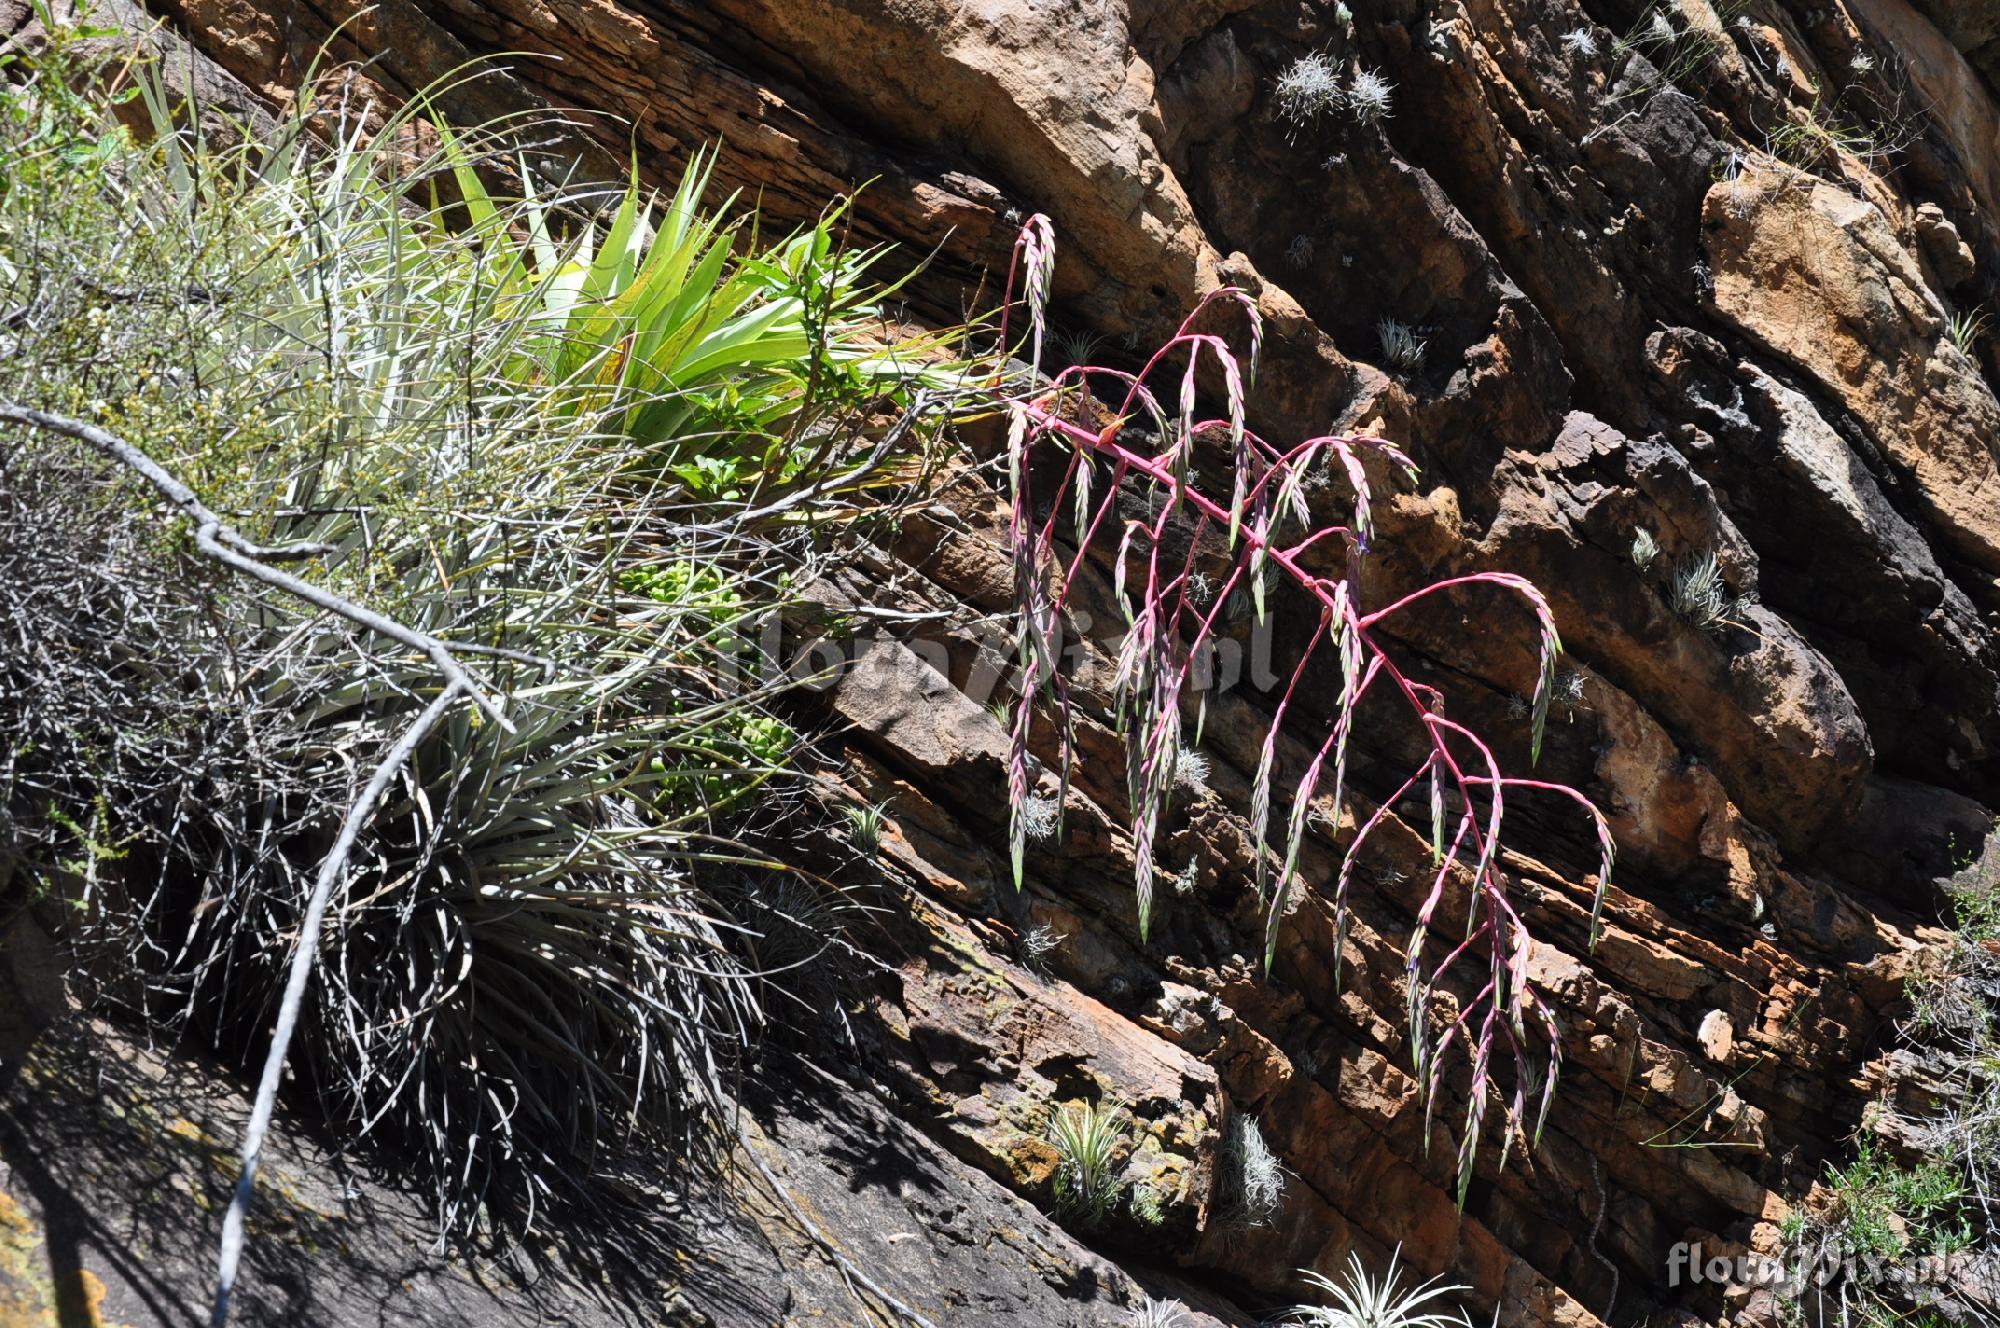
<point x="223" y="542"/>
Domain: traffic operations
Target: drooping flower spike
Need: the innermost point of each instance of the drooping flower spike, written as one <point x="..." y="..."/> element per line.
<point x="1173" y="612"/>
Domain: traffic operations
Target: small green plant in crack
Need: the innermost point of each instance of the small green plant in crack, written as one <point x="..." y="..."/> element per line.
<point x="1701" y="597"/>
<point x="1146" y="1206"/>
<point x="1401" y="346"/>
<point x="1964" y="330"/>
<point x="1883" y="1211"/>
<point x="866" y="823"/>
<point x="1088" y="1138"/>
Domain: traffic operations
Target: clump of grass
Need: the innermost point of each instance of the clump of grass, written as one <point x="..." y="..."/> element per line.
<point x="1359" y="1299"/>
<point x="1308" y="90"/>
<point x="1088" y="1138"/>
<point x="1819" y="135"/>
<point x="1964" y="330"/>
<point x="1401" y="346"/>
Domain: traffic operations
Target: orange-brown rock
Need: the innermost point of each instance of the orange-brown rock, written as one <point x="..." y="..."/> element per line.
<point x="1644" y="312"/>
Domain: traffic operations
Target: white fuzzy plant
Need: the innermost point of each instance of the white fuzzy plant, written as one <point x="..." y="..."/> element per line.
<point x="1360" y="1301"/>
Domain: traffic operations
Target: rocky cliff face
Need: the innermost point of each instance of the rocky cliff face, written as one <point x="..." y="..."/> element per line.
<point x="1680" y="270"/>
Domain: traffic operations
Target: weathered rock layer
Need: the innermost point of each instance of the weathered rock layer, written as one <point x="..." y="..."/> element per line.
<point x="1664" y="286"/>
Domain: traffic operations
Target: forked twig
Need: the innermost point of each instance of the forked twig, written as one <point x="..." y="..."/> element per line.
<point x="331" y="869"/>
<point x="222" y="541"/>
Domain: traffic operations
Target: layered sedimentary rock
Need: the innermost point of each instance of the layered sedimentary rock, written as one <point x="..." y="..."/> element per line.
<point x="1647" y="306"/>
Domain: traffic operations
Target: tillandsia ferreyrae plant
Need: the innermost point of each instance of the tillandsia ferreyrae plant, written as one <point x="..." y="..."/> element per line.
<point x="1172" y="620"/>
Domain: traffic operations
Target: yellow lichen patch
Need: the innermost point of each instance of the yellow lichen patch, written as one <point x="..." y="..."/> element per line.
<point x="29" y="1296"/>
<point x="1031" y="1162"/>
<point x="187" y="1129"/>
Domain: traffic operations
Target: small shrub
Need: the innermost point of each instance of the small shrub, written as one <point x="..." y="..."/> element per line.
<point x="529" y="445"/>
<point x="1088" y="1137"/>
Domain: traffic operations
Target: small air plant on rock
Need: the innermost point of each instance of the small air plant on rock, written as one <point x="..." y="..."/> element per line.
<point x="1037" y="943"/>
<point x="1369" y="97"/>
<point x="1252" y="1173"/>
<point x="1580" y="42"/>
<point x="1360" y="1301"/>
<point x="1645" y="549"/>
<point x="1308" y="88"/>
<point x="1156" y="1314"/>
<point x="866" y="823"/>
<point x="1700" y="595"/>
<point x="1499" y="1022"/>
<point x="1299" y="253"/>
<point x="1191" y="770"/>
<point x="1040" y="818"/>
<point x="1087" y="1137"/>
<point x="1401" y="346"/>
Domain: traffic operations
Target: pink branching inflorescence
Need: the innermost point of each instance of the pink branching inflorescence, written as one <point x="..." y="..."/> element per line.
<point x="1172" y="614"/>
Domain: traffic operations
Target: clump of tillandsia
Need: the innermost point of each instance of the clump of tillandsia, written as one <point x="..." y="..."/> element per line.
<point x="1172" y="621"/>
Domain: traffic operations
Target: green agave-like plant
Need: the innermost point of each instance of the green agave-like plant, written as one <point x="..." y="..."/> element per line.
<point x="1086" y="1137"/>
<point x="708" y="350"/>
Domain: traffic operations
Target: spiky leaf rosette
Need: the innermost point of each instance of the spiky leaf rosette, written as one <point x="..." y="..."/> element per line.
<point x="1174" y="617"/>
